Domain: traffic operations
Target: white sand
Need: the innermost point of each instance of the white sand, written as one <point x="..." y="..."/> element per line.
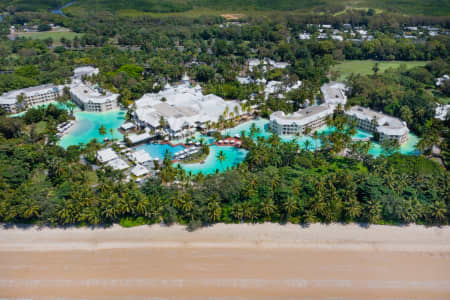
<point x="229" y="262"/>
<point x="317" y="236"/>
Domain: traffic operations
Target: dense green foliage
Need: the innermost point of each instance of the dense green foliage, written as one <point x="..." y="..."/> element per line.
<point x="413" y="7"/>
<point x="277" y="182"/>
<point x="43" y="183"/>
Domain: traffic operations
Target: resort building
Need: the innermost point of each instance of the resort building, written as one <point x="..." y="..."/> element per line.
<point x="106" y="155"/>
<point x="177" y="109"/>
<point x="139" y="138"/>
<point x="312" y="117"/>
<point x="139" y="171"/>
<point x="117" y="164"/>
<point x="37" y="95"/>
<point x="84" y="71"/>
<point x="388" y="127"/>
<point x="334" y="93"/>
<point x="93" y="98"/>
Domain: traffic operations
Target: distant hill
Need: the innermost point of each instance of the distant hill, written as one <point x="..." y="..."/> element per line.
<point x="412" y="7"/>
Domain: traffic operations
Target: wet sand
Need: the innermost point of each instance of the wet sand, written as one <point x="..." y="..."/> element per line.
<point x="266" y="261"/>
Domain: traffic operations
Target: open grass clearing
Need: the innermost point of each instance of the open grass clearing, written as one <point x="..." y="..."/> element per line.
<point x="364" y="67"/>
<point x="55" y="35"/>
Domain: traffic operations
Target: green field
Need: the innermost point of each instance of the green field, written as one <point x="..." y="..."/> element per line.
<point x="364" y="67"/>
<point x="56" y="36"/>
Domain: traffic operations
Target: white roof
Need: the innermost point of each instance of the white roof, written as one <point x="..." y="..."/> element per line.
<point x="138" y="138"/>
<point x="139" y="170"/>
<point x="141" y="156"/>
<point x="334" y="93"/>
<point x="127" y="126"/>
<point x="337" y="37"/>
<point x="88" y="94"/>
<point x="387" y="125"/>
<point x="440" y="80"/>
<point x="183" y="106"/>
<point x="85" y="71"/>
<point x="118" y="164"/>
<point x="244" y="80"/>
<point x="441" y="111"/>
<point x="302" y="117"/>
<point x="304" y="36"/>
<point x="105" y="155"/>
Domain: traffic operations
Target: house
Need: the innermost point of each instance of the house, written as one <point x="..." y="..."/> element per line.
<point x="139" y="170"/>
<point x="106" y="155"/>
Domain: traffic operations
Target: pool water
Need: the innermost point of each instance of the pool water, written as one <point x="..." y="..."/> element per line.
<point x="408" y="148"/>
<point x="233" y="157"/>
<point x="159" y="150"/>
<point x="195" y="138"/>
<point x="87" y="126"/>
<point x="376" y="150"/>
<point x="261" y="124"/>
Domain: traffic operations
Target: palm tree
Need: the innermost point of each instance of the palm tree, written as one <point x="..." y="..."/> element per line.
<point x="102" y="130"/>
<point x="111" y="131"/>
<point x="438" y="211"/>
<point x="289" y="206"/>
<point x="268" y="207"/>
<point x="214" y="208"/>
<point x="352" y="208"/>
<point x="221" y="156"/>
<point x="307" y="144"/>
<point x="237" y="211"/>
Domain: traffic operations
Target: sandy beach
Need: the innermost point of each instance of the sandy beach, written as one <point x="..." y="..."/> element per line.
<point x="264" y="261"/>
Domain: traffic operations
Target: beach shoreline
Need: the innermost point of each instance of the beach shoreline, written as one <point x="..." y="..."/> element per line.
<point x="411" y="238"/>
<point x="241" y="261"/>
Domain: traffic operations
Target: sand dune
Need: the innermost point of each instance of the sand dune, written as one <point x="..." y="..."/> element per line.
<point x="265" y="261"/>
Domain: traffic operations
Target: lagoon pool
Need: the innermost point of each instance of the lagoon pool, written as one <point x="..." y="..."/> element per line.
<point x="233" y="157"/>
<point x="87" y="126"/>
<point x="408" y="148"/>
<point x="159" y="150"/>
<point x="195" y="138"/>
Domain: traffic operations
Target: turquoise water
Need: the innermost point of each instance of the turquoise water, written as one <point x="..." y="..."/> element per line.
<point x="159" y="150"/>
<point x="197" y="137"/>
<point x="233" y="157"/>
<point x="57" y="104"/>
<point x="261" y="124"/>
<point x="87" y="126"/>
<point x="407" y="148"/>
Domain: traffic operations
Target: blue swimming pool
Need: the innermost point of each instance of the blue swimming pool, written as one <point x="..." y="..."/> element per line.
<point x="409" y="147"/>
<point x="233" y="157"/>
<point x="87" y="126"/>
<point x="159" y="150"/>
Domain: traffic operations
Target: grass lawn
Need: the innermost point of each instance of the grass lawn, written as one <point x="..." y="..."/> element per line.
<point x="364" y="67"/>
<point x="444" y="100"/>
<point x="56" y="36"/>
<point x="40" y="127"/>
